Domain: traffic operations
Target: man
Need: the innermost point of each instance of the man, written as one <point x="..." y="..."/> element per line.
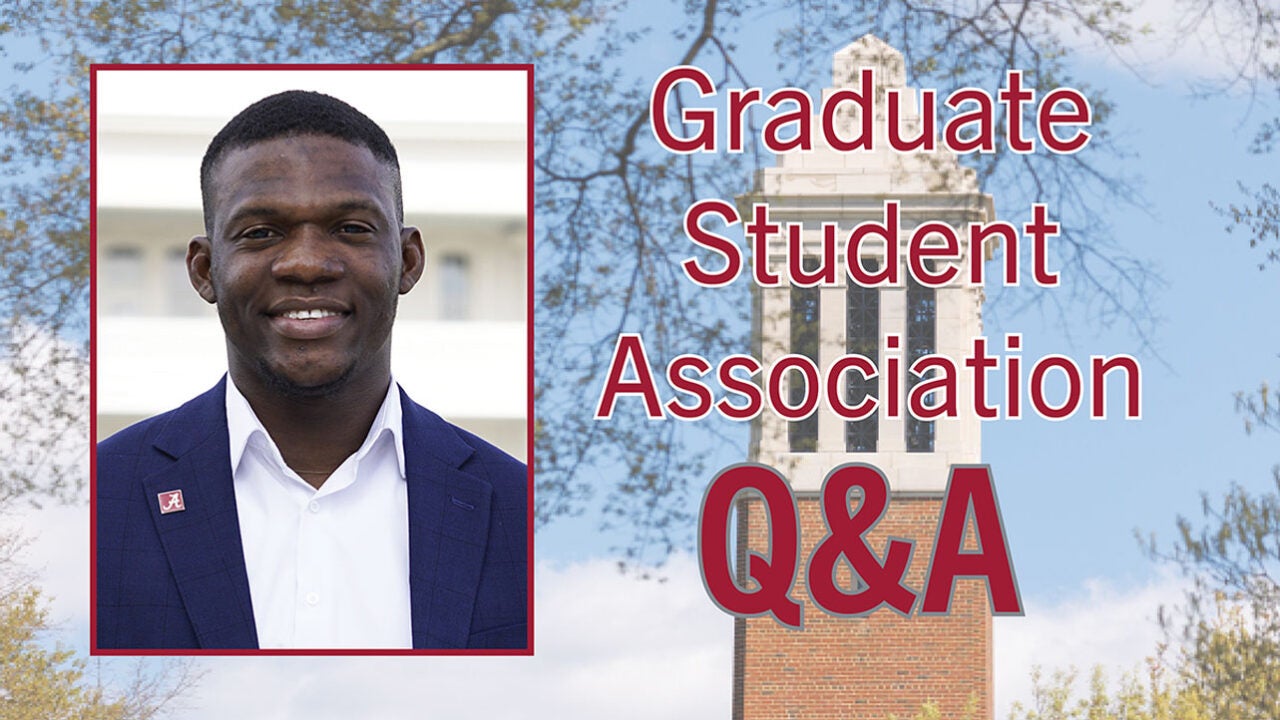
<point x="306" y="501"/>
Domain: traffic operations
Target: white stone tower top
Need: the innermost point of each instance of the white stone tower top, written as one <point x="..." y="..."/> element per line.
<point x="826" y="185"/>
<point x="826" y="171"/>
<point x="868" y="51"/>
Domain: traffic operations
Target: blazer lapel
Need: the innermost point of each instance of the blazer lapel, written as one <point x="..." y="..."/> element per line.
<point x="448" y="529"/>
<point x="202" y="541"/>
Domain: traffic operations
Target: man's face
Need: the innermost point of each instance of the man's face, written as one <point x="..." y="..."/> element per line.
<point x="305" y="260"/>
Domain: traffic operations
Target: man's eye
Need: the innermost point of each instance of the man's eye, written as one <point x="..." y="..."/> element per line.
<point x="258" y="233"/>
<point x="354" y="229"/>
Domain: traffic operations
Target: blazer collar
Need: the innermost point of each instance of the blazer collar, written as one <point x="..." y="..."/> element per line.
<point x="202" y="543"/>
<point x="448" y="529"/>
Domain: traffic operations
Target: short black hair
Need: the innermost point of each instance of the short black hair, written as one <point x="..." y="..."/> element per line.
<point x="294" y="113"/>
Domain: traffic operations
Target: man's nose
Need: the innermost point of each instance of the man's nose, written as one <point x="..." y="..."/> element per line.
<point x="308" y="255"/>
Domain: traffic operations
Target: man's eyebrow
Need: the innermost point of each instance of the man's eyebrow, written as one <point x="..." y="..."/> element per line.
<point x="255" y="211"/>
<point x="359" y="204"/>
<point x="272" y="212"/>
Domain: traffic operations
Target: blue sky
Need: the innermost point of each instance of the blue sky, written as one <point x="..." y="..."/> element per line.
<point x="1074" y="492"/>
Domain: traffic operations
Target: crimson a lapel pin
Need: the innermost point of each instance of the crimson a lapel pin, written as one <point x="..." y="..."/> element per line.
<point x="171" y="502"/>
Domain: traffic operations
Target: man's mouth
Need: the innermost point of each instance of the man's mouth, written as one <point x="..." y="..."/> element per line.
<point x="308" y="323"/>
<point x="309" y="314"/>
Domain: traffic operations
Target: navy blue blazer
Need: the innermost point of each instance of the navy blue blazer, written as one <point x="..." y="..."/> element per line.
<point x="178" y="580"/>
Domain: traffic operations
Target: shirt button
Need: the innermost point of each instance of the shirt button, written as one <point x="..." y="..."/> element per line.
<point x="313" y="599"/>
<point x="315" y="506"/>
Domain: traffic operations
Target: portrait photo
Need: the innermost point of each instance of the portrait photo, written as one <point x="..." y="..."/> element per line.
<point x="311" y="369"/>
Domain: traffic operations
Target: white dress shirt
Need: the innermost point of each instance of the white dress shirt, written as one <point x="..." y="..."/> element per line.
<point x="327" y="568"/>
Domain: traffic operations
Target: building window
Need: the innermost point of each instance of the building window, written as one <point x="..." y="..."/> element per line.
<point x="122" y="281"/>
<point x="455" y="287"/>
<point x="181" y="298"/>
<point x="862" y="335"/>
<point x="922" y="314"/>
<point x="805" y="324"/>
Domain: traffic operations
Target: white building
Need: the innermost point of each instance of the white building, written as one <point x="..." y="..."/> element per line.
<point x="460" y="342"/>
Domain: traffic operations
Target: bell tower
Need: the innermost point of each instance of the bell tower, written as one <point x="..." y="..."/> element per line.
<point x="882" y="663"/>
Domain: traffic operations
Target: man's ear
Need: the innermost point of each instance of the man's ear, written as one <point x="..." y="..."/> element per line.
<point x="199" y="262"/>
<point x="414" y="255"/>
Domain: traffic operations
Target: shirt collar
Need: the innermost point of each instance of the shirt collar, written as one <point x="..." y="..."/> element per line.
<point x="243" y="424"/>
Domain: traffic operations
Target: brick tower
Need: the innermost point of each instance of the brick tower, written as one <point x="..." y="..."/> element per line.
<point x="883" y="663"/>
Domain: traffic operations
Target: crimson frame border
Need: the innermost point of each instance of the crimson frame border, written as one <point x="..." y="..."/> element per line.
<point x="94" y="69"/>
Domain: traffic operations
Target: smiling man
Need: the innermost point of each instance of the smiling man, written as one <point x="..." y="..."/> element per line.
<point x="305" y="501"/>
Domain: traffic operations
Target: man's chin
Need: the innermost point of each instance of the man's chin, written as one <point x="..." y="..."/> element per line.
<point x="305" y="385"/>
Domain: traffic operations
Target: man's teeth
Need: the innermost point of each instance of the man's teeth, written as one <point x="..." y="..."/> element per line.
<point x="309" y="314"/>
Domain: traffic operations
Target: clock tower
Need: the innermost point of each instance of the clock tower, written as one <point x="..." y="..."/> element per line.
<point x="882" y="663"/>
